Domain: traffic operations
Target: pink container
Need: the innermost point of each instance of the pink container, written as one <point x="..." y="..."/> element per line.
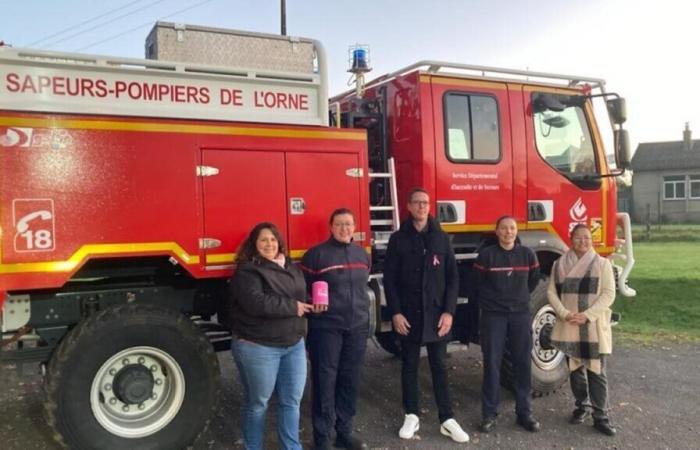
<point x="319" y="293"/>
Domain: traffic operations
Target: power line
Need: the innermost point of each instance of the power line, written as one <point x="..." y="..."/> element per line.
<point x="71" y="36"/>
<point x="45" y="38"/>
<point x="140" y="26"/>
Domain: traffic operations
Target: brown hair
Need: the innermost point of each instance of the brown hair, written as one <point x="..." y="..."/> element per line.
<point x="577" y="227"/>
<point x="505" y="217"/>
<point x="340" y="212"/>
<point x="414" y="191"/>
<point x="248" y="250"/>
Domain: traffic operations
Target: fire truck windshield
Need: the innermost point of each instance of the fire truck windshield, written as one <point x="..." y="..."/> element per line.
<point x="563" y="139"/>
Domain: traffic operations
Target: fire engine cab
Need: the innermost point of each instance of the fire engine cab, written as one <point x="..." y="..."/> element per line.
<point x="127" y="185"/>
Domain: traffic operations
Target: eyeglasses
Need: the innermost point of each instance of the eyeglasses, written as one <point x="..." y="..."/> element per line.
<point x="343" y="224"/>
<point x="421" y="203"/>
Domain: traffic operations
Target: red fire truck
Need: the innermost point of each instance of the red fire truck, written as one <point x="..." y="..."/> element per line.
<point x="126" y="186"/>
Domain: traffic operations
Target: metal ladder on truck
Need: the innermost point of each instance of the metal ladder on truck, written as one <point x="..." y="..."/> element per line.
<point x="384" y="219"/>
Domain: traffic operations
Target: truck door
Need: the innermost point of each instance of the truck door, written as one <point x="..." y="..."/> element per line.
<point x="241" y="188"/>
<point x="317" y="184"/>
<point x="473" y="160"/>
<point x="565" y="160"/>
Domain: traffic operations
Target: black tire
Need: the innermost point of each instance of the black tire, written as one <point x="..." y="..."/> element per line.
<point x="132" y="330"/>
<point x="389" y="341"/>
<point x="549" y="368"/>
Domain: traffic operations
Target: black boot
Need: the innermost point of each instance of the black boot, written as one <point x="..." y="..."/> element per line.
<point x="529" y="423"/>
<point x="578" y="416"/>
<point x="603" y="425"/>
<point x="349" y="443"/>
<point x="487" y="425"/>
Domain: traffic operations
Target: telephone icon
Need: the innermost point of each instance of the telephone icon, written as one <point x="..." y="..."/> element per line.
<point x="23" y="223"/>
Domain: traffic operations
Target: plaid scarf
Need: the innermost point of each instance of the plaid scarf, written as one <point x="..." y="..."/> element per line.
<point x="577" y="281"/>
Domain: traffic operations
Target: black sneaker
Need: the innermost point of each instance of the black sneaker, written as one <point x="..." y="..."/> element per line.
<point x="487" y="425"/>
<point x="349" y="443"/>
<point x="579" y="416"/>
<point x="603" y="425"/>
<point x="529" y="423"/>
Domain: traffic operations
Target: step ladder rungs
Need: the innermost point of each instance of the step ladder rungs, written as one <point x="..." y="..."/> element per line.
<point x="381" y="222"/>
<point x="381" y="208"/>
<point x="379" y="175"/>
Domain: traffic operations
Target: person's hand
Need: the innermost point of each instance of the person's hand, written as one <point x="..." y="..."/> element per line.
<point x="320" y="308"/>
<point x="444" y="324"/>
<point x="576" y="318"/>
<point x="303" y="308"/>
<point x="401" y="325"/>
<point x="580" y="318"/>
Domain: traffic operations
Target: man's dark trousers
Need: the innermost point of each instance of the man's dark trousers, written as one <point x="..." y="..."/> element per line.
<point x="410" y="356"/>
<point x="336" y="359"/>
<point x="497" y="329"/>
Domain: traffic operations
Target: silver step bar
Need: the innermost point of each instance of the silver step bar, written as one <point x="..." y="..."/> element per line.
<point x="624" y="252"/>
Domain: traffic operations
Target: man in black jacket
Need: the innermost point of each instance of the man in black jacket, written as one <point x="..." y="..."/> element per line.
<point x="507" y="273"/>
<point x="421" y="285"/>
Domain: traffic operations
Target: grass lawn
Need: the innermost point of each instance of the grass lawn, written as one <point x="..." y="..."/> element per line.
<point x="667" y="306"/>
<point x="666" y="233"/>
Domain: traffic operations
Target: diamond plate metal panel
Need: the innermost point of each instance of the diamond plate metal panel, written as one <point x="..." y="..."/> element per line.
<point x="214" y="46"/>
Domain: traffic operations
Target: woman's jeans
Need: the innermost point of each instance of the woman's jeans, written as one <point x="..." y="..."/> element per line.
<point x="263" y="370"/>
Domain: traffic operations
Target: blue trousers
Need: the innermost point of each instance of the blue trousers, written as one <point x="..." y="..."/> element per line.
<point x="263" y="370"/>
<point x="336" y="359"/>
<point x="497" y="331"/>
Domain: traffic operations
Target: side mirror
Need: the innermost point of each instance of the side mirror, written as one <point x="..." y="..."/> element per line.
<point x="622" y="149"/>
<point x="617" y="108"/>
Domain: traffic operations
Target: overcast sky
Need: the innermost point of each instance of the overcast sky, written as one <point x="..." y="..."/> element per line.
<point x="646" y="50"/>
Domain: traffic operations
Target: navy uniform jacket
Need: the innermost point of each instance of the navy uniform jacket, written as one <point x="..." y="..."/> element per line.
<point x="506" y="278"/>
<point x="345" y="267"/>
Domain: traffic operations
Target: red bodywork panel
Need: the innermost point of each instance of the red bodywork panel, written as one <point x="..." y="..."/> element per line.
<point x="81" y="187"/>
<point x="488" y="190"/>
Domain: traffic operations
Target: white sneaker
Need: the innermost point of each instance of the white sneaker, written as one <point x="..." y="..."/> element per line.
<point x="451" y="429"/>
<point x="411" y="423"/>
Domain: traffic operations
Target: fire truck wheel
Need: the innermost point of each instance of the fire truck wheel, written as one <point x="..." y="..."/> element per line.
<point x="389" y="341"/>
<point x="132" y="376"/>
<point x="549" y="368"/>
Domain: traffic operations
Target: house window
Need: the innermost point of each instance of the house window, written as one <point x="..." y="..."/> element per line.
<point x="471" y="128"/>
<point x="674" y="187"/>
<point x="694" y="186"/>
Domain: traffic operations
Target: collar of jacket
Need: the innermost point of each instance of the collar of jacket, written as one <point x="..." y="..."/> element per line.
<point x="431" y="227"/>
<point x="336" y="243"/>
<point x="260" y="261"/>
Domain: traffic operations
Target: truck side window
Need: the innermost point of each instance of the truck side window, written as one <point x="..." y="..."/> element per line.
<point x="471" y="128"/>
<point x="563" y="139"/>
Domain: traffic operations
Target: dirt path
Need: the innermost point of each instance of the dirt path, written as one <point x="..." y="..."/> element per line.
<point x="655" y="401"/>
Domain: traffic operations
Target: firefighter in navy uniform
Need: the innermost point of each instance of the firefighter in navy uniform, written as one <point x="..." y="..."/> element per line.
<point x="508" y="272"/>
<point x="337" y="337"/>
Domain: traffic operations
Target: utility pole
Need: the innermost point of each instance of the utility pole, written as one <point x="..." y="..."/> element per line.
<point x="283" y="16"/>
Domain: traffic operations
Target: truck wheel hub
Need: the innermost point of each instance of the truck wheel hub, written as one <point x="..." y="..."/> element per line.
<point x="137" y="392"/>
<point x="133" y="384"/>
<point x="544" y="355"/>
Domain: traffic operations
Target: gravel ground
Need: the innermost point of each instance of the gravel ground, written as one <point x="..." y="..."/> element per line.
<point x="655" y="393"/>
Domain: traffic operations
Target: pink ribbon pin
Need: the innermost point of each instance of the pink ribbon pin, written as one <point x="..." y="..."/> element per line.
<point x="436" y="261"/>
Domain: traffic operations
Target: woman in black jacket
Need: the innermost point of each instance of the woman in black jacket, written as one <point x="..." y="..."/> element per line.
<point x="268" y="305"/>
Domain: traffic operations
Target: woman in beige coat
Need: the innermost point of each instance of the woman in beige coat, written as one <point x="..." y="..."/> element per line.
<point x="581" y="291"/>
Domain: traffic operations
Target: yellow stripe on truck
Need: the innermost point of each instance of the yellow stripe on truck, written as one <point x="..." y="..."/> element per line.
<point x="101" y="250"/>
